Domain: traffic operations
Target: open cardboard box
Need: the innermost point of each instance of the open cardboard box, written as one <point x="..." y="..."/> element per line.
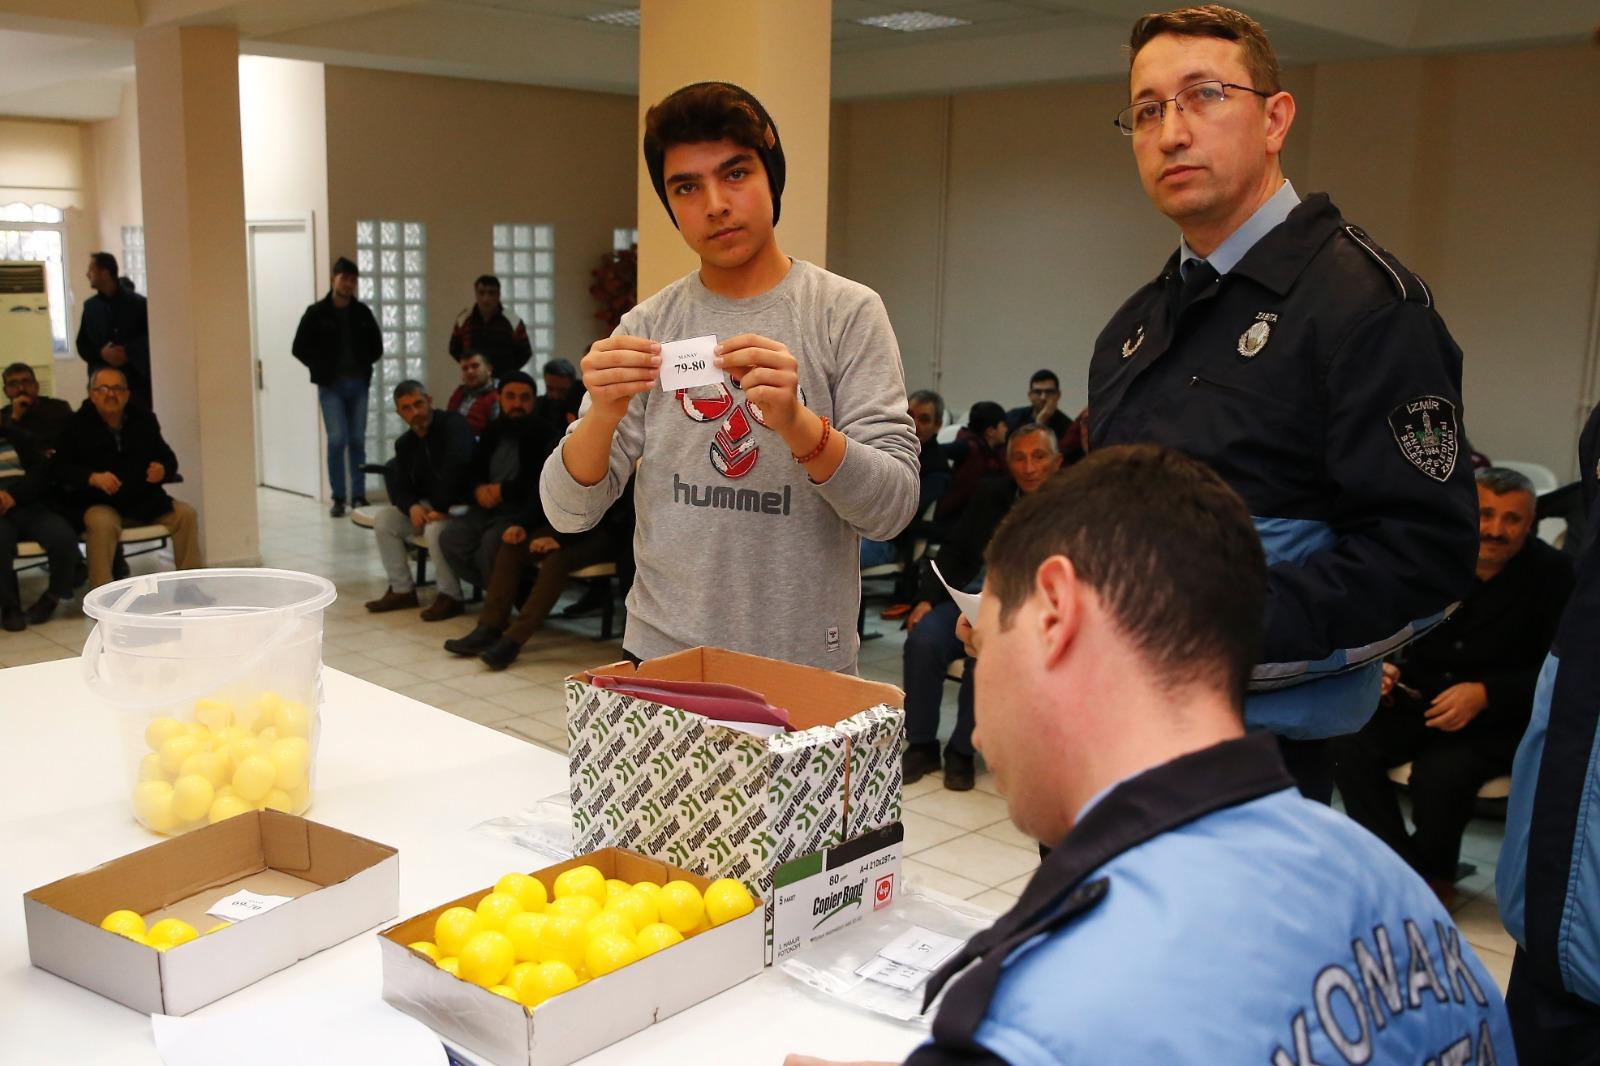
<point x="719" y="801"/>
<point x="587" y="1018"/>
<point x="341" y="885"/>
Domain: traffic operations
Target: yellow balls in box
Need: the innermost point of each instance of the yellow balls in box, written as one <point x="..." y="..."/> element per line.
<point x="726" y="899"/>
<point x="608" y="951"/>
<point x="529" y="890"/>
<point x="582" y="881"/>
<point x="638" y="907"/>
<point x="495" y="908"/>
<point x="563" y="939"/>
<point x="486" y="958"/>
<point x="453" y="928"/>
<point x="426" y="947"/>
<point x="681" y="906"/>
<point x="123" y="923"/>
<point x="653" y="938"/>
<point x="169" y="933"/>
<point x="609" y="922"/>
<point x="581" y="907"/>
<point x="523" y="931"/>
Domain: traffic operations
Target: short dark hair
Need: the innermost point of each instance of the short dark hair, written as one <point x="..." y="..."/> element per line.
<point x="929" y="396"/>
<point x="561" y="368"/>
<point x="1214" y="20"/>
<point x="488" y="281"/>
<point x="18" y="368"/>
<point x="342" y="265"/>
<point x="104" y="369"/>
<point x="518" y="377"/>
<point x="1045" y="375"/>
<point x="408" y="387"/>
<point x="984" y="416"/>
<point x="475" y="354"/>
<point x="1167" y="546"/>
<point x="1030" y="428"/>
<point x="105" y="261"/>
<point x="1497" y="479"/>
<point x="713" y="111"/>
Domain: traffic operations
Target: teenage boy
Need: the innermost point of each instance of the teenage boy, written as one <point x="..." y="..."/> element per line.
<point x="754" y="492"/>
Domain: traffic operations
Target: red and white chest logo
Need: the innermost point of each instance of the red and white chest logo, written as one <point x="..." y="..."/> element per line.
<point x="734" y="450"/>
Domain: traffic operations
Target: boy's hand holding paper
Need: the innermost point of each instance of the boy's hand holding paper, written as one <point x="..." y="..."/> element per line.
<point x="768" y="374"/>
<point x="615" y="370"/>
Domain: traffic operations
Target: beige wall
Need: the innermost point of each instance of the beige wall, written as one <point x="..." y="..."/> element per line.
<point x="463" y="155"/>
<point x="283" y="123"/>
<point x="1459" y="165"/>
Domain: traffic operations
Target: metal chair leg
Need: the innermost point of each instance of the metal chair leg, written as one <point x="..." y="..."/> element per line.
<point x="608" y="613"/>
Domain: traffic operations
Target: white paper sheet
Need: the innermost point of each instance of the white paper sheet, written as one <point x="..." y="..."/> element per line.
<point x="967" y="601"/>
<point x="688" y="364"/>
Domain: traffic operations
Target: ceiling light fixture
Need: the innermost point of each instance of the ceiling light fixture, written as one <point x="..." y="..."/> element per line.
<point x="913" y="21"/>
<point x="629" y="17"/>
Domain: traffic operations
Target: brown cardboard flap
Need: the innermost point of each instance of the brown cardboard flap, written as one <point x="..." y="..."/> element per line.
<point x="314" y="852"/>
<point x="812" y="697"/>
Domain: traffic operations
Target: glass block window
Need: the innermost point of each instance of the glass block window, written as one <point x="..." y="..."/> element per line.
<point x="133" y="256"/>
<point x="623" y="239"/>
<point x="524" y="261"/>
<point x="392" y="256"/>
<point x="42" y="243"/>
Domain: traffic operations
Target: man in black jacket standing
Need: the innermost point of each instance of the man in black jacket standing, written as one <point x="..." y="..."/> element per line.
<point x="339" y="342"/>
<point x="115" y="329"/>
<point x="1457" y="701"/>
<point x="505" y="481"/>
<point x="1283" y="348"/>
<point x="427" y="478"/>
<point x="1032" y="455"/>
<point x="110" y="467"/>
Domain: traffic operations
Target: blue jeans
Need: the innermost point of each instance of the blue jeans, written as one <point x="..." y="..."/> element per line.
<point x="344" y="413"/>
<point x="930" y="649"/>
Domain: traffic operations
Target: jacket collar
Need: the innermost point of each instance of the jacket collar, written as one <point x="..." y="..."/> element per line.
<point x="1278" y="258"/>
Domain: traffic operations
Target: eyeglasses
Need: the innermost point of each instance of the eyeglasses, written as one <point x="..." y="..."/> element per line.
<point x="1200" y="100"/>
<point x="110" y="390"/>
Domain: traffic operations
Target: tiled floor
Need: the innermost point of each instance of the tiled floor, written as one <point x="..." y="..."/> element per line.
<point x="959" y="843"/>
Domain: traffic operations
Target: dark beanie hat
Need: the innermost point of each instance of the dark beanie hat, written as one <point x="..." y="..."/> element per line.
<point x="770" y="150"/>
<point x="518" y="377"/>
<point x="342" y="265"/>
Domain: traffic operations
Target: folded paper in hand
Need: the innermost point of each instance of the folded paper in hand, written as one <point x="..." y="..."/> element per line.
<point x="967" y="601"/>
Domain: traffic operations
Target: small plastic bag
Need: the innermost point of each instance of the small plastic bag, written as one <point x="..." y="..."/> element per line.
<point x="545" y="828"/>
<point x="851" y="965"/>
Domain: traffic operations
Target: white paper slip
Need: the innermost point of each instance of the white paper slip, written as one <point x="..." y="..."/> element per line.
<point x="894" y="974"/>
<point x="245" y="904"/>
<point x="920" y="948"/>
<point x="967" y="601"/>
<point x="689" y="364"/>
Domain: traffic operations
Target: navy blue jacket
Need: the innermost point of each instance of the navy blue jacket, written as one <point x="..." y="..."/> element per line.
<point x="1318" y="380"/>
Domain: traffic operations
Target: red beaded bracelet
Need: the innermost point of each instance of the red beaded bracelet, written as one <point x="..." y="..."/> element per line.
<point x="827" y="431"/>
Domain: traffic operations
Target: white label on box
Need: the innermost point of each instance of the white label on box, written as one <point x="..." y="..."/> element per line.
<point x="821" y="894"/>
<point x="689" y="364"/>
<point x="920" y="948"/>
<point x="245" y="904"/>
<point x="894" y="974"/>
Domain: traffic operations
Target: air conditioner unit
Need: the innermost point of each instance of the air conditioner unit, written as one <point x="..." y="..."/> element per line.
<point x="25" y="321"/>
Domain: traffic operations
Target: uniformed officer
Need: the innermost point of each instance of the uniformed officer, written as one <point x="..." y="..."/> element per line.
<point x="1303" y="363"/>
<point x="1548" y="877"/>
<point x="1195" y="908"/>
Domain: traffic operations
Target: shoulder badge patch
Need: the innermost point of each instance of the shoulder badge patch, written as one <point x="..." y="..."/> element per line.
<point x="1131" y="345"/>
<point x="1428" y="434"/>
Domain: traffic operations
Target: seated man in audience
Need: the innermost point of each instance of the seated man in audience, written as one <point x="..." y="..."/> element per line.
<point x="525" y="546"/>
<point x="932" y="644"/>
<point x="1044" y="398"/>
<point x="489" y="328"/>
<point x="1457" y="701"/>
<point x="44" y="418"/>
<point x="1194" y="908"/>
<point x="563" y="393"/>
<point x="428" y="477"/>
<point x="979" y="451"/>
<point x="25" y="515"/>
<point x="927" y="412"/>
<point x="110" y="468"/>
<point x="504" y="480"/>
<point x="476" y="399"/>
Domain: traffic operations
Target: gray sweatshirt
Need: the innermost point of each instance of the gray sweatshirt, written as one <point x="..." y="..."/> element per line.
<point x="735" y="547"/>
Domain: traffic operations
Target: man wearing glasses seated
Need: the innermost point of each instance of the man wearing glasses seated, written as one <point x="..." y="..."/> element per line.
<point x="1284" y="348"/>
<point x="110" y="467"/>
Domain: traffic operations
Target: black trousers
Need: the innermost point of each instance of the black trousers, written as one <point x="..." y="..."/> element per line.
<point x="37" y="523"/>
<point x="1447" y="769"/>
<point x="1551" y="1028"/>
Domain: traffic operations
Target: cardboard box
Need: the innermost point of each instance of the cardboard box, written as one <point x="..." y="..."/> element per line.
<point x="722" y="802"/>
<point x="589" y="1017"/>
<point x="341" y="884"/>
<point x="819" y="895"/>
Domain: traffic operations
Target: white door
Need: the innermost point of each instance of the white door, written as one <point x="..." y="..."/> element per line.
<point x="288" y="425"/>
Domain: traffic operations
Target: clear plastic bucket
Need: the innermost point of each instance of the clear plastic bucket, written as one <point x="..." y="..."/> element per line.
<point x="217" y="675"/>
